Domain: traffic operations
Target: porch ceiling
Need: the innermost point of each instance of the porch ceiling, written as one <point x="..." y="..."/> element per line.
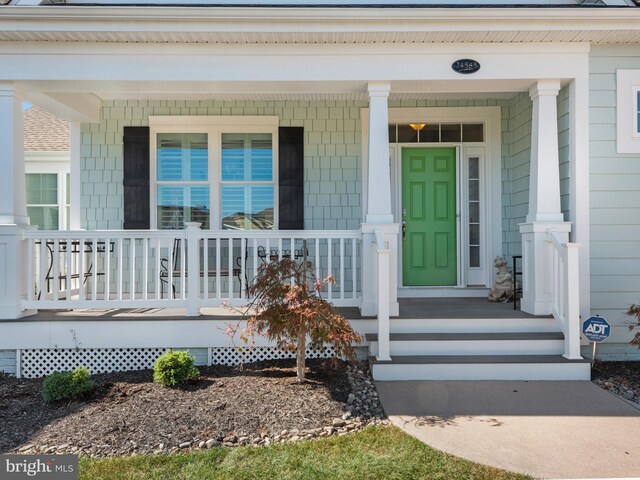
<point x="275" y="91"/>
<point x="80" y="100"/>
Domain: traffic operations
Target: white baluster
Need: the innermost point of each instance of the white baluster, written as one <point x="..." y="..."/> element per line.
<point x="107" y="269"/>
<point x="218" y="266"/>
<point x="94" y="277"/>
<point x="353" y="268"/>
<point x="341" y="280"/>
<point x="120" y="269"/>
<point x="132" y="268"/>
<point x="145" y="266"/>
<point x="56" y="269"/>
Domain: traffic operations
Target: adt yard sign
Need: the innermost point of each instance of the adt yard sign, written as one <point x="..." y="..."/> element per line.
<point x="596" y="329"/>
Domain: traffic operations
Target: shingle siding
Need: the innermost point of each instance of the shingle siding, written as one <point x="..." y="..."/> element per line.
<point x="516" y="158"/>
<point x="332" y="177"/>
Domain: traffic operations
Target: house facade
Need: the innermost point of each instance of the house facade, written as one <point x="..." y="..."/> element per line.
<point x="398" y="148"/>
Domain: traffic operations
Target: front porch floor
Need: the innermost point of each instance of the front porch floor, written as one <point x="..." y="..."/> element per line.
<point x="410" y="308"/>
<point x="443" y="308"/>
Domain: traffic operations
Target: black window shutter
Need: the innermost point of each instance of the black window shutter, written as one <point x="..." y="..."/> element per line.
<point x="136" y="178"/>
<point x="291" y="178"/>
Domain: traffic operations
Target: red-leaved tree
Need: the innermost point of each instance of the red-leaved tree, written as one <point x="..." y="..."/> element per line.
<point x="634" y="311"/>
<point x="287" y="308"/>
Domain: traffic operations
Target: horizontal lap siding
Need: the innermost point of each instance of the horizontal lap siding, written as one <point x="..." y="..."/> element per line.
<point x="614" y="200"/>
<point x="332" y="149"/>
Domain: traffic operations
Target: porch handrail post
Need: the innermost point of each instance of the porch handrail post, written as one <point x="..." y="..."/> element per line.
<point x="382" y="255"/>
<point x="193" y="268"/>
<point x="572" y="313"/>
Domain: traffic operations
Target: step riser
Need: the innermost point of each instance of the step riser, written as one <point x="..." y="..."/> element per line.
<point x="472" y="325"/>
<point x="473" y="347"/>
<point x="480" y="371"/>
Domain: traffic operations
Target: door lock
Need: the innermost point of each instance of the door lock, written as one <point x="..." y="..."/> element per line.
<point x="404" y="212"/>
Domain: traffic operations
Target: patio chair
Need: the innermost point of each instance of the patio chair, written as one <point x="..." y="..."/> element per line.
<point x="212" y="269"/>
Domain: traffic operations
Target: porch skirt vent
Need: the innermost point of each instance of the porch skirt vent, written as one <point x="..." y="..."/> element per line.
<point x="236" y="356"/>
<point x="40" y="362"/>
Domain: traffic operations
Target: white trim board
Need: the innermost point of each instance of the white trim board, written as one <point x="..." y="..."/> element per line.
<point x="491" y="117"/>
<point x="214" y="126"/>
<point x="628" y="131"/>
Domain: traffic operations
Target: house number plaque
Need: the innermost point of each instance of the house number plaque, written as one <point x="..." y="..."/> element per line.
<point x="466" y="66"/>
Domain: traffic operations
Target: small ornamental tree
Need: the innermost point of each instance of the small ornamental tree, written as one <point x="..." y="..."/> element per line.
<point x="287" y="308"/>
<point x="634" y="311"/>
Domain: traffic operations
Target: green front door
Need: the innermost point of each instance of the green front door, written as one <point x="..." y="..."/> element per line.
<point x="429" y="209"/>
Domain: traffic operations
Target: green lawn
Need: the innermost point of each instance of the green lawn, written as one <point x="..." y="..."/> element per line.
<point x="381" y="453"/>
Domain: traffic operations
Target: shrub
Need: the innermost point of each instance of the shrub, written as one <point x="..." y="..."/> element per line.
<point x="174" y="368"/>
<point x="67" y="385"/>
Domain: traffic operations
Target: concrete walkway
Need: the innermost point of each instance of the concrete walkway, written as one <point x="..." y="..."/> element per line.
<point x="544" y="429"/>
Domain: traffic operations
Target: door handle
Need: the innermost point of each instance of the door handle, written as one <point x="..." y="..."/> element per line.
<point x="404" y="230"/>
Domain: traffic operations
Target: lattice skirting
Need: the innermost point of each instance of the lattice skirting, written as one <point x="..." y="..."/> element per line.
<point x="36" y="363"/>
<point x="235" y="356"/>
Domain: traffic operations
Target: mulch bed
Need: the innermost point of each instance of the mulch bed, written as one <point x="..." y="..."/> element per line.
<point x="621" y="378"/>
<point x="128" y="413"/>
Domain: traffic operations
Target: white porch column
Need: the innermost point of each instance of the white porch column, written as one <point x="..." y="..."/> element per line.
<point x="379" y="217"/>
<point x="379" y="173"/>
<point x="13" y="196"/>
<point x="193" y="268"/>
<point x="74" y="154"/>
<point x="13" y="204"/>
<point x="544" y="201"/>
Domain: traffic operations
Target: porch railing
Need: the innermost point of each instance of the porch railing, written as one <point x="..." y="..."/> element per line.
<point x="189" y="268"/>
<point x="565" y="305"/>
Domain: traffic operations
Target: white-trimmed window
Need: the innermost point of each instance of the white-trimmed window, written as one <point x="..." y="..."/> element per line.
<point x="628" y="108"/>
<point x="219" y="171"/>
<point x="48" y="200"/>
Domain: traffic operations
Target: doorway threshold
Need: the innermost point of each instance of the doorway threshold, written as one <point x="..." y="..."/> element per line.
<point x="448" y="292"/>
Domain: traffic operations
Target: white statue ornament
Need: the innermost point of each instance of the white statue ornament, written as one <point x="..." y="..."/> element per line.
<point x="502" y="290"/>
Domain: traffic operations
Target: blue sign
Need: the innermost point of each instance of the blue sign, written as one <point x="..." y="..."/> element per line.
<point x="466" y="66"/>
<point x="596" y="329"/>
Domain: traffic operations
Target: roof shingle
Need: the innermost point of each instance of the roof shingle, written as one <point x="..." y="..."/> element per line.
<point x="44" y="132"/>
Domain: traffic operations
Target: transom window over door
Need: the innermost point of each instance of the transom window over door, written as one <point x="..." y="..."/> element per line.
<point x="214" y="170"/>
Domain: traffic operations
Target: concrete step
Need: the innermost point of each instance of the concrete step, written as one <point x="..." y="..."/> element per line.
<point x="480" y="367"/>
<point x="501" y="343"/>
<point x="472" y="325"/>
